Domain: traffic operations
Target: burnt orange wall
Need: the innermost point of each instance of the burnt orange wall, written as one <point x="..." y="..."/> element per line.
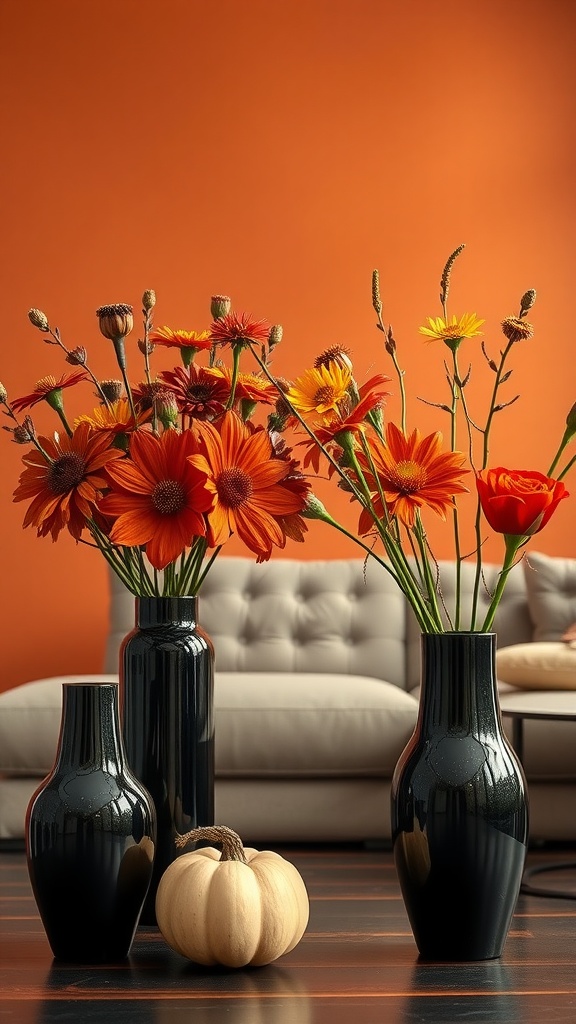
<point x="277" y="152"/>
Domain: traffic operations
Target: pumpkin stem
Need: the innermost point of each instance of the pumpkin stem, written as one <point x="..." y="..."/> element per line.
<point x="232" y="848"/>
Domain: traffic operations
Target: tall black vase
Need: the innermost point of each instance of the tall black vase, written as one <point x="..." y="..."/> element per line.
<point x="459" y="806"/>
<point x="167" y="682"/>
<point x="90" y="834"/>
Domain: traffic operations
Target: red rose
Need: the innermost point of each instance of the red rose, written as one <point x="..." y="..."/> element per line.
<point x="518" y="502"/>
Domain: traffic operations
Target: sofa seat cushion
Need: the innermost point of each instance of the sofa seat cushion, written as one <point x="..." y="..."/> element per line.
<point x="284" y="724"/>
<point x="267" y="724"/>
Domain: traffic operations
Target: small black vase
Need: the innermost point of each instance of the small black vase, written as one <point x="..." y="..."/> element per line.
<point x="459" y="806"/>
<point x="167" y="683"/>
<point x="90" y="834"/>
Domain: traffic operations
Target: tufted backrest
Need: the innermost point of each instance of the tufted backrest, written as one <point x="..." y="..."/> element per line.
<point x="292" y="616"/>
<point x="341" y="616"/>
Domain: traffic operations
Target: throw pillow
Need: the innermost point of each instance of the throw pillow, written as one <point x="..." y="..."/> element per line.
<point x="538" y="666"/>
<point x="551" y="593"/>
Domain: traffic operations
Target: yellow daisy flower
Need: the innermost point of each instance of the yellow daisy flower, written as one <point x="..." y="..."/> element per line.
<point x="452" y="329"/>
<point x="321" y="390"/>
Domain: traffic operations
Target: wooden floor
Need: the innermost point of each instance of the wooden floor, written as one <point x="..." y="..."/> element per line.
<point x="357" y="963"/>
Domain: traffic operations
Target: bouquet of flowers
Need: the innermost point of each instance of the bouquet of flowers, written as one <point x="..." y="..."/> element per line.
<point x="396" y="476"/>
<point x="162" y="471"/>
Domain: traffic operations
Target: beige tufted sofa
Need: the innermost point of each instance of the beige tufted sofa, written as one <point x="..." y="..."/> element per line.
<point x="317" y="668"/>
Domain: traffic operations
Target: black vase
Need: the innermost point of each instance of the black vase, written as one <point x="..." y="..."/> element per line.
<point x="167" y="683"/>
<point x="90" y="834"/>
<point x="459" y="806"/>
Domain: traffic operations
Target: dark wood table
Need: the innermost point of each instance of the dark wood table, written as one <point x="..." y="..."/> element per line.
<point x="356" y="963"/>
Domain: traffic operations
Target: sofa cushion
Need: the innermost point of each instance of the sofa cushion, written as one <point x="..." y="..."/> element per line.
<point x="30" y="722"/>
<point x="302" y="724"/>
<point x="551" y="591"/>
<point x="538" y="666"/>
<point x="268" y="725"/>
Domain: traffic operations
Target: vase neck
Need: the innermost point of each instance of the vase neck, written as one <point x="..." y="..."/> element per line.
<point x="165" y="611"/>
<point x="90" y="730"/>
<point x="458" y="680"/>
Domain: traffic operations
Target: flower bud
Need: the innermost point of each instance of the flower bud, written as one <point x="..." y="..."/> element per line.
<point x="24" y="433"/>
<point x="220" y="305"/>
<point x="149" y="299"/>
<point x="337" y="354"/>
<point x="314" y="509"/>
<point x="275" y="336"/>
<point x="390" y="344"/>
<point x="112" y="389"/>
<point x="376" y="299"/>
<point x="115" y="321"/>
<point x="166" y="409"/>
<point x="39" y="319"/>
<point x="78" y="356"/>
<point x="527" y="301"/>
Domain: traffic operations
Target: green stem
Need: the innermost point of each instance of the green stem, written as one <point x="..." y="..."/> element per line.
<point x="235" y="368"/>
<point x="485" y="454"/>
<point x="567" y="467"/>
<point x="456" y="391"/>
<point x="512" y="546"/>
<point x="568" y="434"/>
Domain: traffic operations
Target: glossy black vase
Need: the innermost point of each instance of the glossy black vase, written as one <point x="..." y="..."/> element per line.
<point x="90" y="834"/>
<point x="167" y="683"/>
<point x="459" y="806"/>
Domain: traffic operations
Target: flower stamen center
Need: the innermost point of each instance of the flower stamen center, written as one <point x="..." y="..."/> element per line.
<point x="66" y="473"/>
<point x="199" y="393"/>
<point x="409" y="477"/>
<point x="168" y="497"/>
<point x="325" y="395"/>
<point x="234" y="487"/>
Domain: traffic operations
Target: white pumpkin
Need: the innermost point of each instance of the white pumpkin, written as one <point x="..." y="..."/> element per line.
<point x="235" y="908"/>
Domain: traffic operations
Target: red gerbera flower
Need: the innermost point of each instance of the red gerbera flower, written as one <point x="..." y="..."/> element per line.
<point x="201" y="392"/>
<point x="253" y="494"/>
<point x="65" y="489"/>
<point x="238" y="329"/>
<point x="158" y="496"/>
<point x="46" y="387"/>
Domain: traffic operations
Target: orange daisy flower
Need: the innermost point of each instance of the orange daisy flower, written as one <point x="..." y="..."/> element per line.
<point x="238" y="329"/>
<point x="66" y="489"/>
<point x="201" y="392"/>
<point x="158" y="496"/>
<point x="114" y="419"/>
<point x="189" y="342"/>
<point x="412" y="472"/>
<point x="253" y="492"/>
<point x="181" y="339"/>
<point x="371" y="397"/>
<point x="46" y="387"/>
<point x="250" y="386"/>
